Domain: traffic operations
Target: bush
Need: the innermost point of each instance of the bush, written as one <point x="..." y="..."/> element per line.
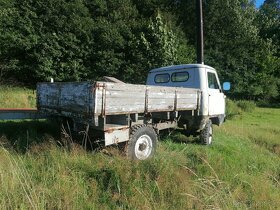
<point x="246" y="106"/>
<point x="269" y="104"/>
<point x="232" y="109"/>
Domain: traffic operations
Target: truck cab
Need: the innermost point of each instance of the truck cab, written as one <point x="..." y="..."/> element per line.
<point x="198" y="76"/>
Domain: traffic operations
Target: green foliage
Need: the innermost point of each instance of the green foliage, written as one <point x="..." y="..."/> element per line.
<point x="85" y="40"/>
<point x="82" y="40"/>
<point x="268" y="20"/>
<point x="159" y="43"/>
<point x="45" y="39"/>
<point x="234" y="46"/>
<point x="232" y="110"/>
<point x="246" y="106"/>
<point x="236" y="108"/>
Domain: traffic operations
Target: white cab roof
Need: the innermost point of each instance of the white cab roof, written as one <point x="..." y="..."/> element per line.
<point x="179" y="67"/>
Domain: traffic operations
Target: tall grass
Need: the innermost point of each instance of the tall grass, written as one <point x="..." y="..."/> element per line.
<point x="236" y="108"/>
<point x="16" y="97"/>
<point x="241" y="170"/>
<point x="246" y="106"/>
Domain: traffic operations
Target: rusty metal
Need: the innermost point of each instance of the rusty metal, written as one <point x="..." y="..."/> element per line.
<point x="165" y="125"/>
<point x="116" y="136"/>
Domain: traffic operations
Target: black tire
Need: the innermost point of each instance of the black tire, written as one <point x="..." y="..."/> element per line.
<point x="142" y="143"/>
<point x="206" y="135"/>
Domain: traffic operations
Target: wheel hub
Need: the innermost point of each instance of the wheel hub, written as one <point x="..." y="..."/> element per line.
<point x="143" y="147"/>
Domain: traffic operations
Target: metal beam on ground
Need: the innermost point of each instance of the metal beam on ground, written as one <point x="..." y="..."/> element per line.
<point x="20" y="114"/>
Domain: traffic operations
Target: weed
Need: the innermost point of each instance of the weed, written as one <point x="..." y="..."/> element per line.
<point x="246" y="106"/>
<point x="232" y="110"/>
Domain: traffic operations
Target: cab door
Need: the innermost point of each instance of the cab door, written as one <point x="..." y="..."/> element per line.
<point x="216" y="97"/>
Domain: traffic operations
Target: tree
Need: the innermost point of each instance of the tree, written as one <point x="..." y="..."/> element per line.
<point x="268" y="21"/>
<point x="87" y="39"/>
<point x="234" y="47"/>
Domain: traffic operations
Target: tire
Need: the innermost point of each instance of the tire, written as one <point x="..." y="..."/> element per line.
<point x="206" y="135"/>
<point x="142" y="143"/>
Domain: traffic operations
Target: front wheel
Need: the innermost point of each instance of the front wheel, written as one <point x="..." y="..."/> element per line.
<point x="142" y="143"/>
<point x="206" y="135"/>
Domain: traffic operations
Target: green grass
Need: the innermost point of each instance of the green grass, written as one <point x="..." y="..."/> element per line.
<point x="241" y="170"/>
<point x="17" y="97"/>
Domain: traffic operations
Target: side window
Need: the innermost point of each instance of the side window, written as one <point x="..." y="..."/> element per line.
<point x="212" y="81"/>
<point x="162" y="78"/>
<point x="180" y="76"/>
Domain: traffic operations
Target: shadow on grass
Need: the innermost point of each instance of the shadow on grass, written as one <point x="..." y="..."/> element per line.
<point x="20" y="135"/>
<point x="179" y="136"/>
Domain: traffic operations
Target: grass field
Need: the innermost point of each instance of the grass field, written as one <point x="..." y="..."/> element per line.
<point x="16" y="97"/>
<point x="241" y="170"/>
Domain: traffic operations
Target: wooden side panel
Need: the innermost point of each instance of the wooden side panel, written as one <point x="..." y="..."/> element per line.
<point x="47" y="95"/>
<point x="73" y="97"/>
<point x="121" y="98"/>
<point x="83" y="99"/>
<point x="115" y="98"/>
<point x="160" y="98"/>
<point x="187" y="99"/>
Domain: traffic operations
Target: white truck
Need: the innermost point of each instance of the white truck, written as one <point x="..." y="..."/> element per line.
<point x="182" y="96"/>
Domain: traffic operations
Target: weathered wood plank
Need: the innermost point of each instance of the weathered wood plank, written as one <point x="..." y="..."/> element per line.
<point x="128" y="98"/>
<point x="105" y="98"/>
<point x="71" y="97"/>
<point x="124" y="98"/>
<point x="47" y="96"/>
<point x="77" y="99"/>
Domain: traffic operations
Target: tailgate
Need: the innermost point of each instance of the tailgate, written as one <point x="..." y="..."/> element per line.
<point x="71" y="98"/>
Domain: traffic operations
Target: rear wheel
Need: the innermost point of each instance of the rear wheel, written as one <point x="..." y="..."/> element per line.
<point x="142" y="143"/>
<point x="206" y="135"/>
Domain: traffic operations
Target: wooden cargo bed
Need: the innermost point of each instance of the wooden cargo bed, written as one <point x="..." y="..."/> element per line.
<point x="91" y="99"/>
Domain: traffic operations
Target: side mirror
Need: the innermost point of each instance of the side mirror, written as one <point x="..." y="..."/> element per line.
<point x="226" y="86"/>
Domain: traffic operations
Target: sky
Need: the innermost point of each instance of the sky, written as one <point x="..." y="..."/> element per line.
<point x="259" y="3"/>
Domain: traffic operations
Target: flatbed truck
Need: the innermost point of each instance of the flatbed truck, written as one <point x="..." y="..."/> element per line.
<point x="187" y="96"/>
